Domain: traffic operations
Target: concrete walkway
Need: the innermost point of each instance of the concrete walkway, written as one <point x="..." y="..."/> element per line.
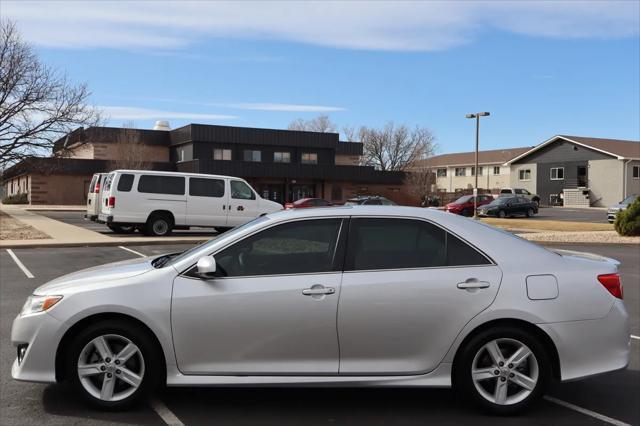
<point x="62" y="234"/>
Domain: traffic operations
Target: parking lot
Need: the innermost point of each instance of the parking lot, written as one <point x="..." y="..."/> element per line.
<point x="606" y="399"/>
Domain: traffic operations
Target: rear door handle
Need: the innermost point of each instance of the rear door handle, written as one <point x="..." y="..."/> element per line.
<point x="472" y="283"/>
<point x="318" y="290"/>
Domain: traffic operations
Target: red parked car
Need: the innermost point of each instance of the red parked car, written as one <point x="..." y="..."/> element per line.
<point x="464" y="204"/>
<point x="304" y="203"/>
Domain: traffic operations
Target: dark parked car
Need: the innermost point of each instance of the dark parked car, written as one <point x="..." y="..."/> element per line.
<point x="464" y="204"/>
<point x="304" y="203"/>
<point x="369" y="200"/>
<point x="509" y="206"/>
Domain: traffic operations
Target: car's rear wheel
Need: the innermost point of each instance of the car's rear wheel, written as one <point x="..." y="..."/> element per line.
<point x="159" y="225"/>
<point x="502" y="214"/>
<point x="466" y="212"/>
<point x="503" y="370"/>
<point x="113" y="364"/>
<point x="529" y="212"/>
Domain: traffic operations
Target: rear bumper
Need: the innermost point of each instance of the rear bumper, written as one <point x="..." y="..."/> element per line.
<point x="103" y="218"/>
<point x="91" y="217"/>
<point x="590" y="347"/>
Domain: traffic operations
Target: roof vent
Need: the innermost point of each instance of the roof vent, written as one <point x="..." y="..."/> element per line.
<point x="162" y="125"/>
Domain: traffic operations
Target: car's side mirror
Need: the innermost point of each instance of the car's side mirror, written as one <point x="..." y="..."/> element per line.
<point x="206" y="268"/>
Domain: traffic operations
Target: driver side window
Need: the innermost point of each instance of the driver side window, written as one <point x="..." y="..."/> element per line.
<point x="307" y="246"/>
<point x="241" y="191"/>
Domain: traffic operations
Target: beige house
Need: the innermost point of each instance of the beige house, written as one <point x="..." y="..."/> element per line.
<point x="456" y="172"/>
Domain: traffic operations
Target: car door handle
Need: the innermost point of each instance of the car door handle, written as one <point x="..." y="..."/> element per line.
<point x="319" y="290"/>
<point x="472" y="283"/>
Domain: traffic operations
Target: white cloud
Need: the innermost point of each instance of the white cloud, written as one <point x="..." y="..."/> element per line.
<point x="375" y="25"/>
<point x="134" y="113"/>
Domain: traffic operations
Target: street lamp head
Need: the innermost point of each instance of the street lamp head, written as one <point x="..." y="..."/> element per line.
<point x="484" y="114"/>
<point x="470" y="116"/>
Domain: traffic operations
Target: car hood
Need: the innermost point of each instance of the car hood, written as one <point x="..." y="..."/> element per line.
<point x="96" y="275"/>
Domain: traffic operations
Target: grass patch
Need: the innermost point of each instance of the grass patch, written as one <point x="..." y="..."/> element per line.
<point x="13" y="229"/>
<point x="547" y="225"/>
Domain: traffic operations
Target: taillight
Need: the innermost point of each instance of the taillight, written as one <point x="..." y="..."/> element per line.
<point x="112" y="202"/>
<point x="96" y="189"/>
<point x="612" y="283"/>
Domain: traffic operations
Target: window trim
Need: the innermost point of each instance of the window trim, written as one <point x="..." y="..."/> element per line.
<point x="525" y="179"/>
<point x="223" y="150"/>
<point x="252" y="151"/>
<point x="556" y="169"/>
<point x="341" y="243"/>
<point x="282" y="157"/>
<point x="633" y="169"/>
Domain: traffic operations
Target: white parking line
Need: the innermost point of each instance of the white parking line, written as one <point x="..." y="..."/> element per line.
<point x="635" y="337"/>
<point x="132" y="251"/>
<point x="590" y="413"/>
<point x="20" y="264"/>
<point x="165" y="414"/>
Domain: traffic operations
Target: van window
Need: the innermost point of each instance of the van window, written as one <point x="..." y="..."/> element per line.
<point x="108" y="181"/>
<point x="152" y="184"/>
<point x="241" y="191"/>
<point x="92" y="185"/>
<point x="125" y="183"/>
<point x="206" y="187"/>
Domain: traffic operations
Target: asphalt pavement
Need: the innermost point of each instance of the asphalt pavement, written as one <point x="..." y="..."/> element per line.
<point x="604" y="399"/>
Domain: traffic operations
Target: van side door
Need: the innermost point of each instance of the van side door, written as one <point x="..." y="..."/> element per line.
<point x="207" y="202"/>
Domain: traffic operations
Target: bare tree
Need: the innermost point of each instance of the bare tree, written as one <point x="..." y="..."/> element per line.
<point x="37" y="104"/>
<point x="130" y="151"/>
<point x="396" y="148"/>
<point x="321" y="123"/>
<point x="420" y="181"/>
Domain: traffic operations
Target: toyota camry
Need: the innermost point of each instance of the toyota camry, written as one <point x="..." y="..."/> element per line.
<point x="340" y="296"/>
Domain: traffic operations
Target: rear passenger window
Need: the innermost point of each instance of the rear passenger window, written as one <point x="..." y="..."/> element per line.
<point x="151" y="184"/>
<point x="405" y="243"/>
<point x="125" y="183"/>
<point x="206" y="187"/>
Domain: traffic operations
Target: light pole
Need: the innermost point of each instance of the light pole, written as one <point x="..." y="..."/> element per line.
<point x="477" y="116"/>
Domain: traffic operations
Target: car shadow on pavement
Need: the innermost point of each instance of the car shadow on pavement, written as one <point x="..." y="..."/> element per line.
<point x="60" y="400"/>
<point x="360" y="406"/>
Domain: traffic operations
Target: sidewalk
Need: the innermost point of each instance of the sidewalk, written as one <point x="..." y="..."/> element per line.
<point x="64" y="235"/>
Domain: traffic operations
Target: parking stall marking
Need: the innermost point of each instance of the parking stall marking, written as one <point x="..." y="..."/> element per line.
<point x="132" y="251"/>
<point x="586" y="412"/>
<point x="20" y="264"/>
<point x="165" y="414"/>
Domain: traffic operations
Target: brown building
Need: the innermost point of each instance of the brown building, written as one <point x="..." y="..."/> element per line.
<point x="282" y="165"/>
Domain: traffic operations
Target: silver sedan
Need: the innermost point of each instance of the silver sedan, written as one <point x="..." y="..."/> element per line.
<point x="347" y="296"/>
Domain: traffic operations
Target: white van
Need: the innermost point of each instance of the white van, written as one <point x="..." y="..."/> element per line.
<point x="157" y="202"/>
<point x="94" y="196"/>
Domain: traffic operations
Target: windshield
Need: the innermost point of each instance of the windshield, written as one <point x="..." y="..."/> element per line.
<point x="164" y="260"/>
<point x="463" y="199"/>
<point x="630" y="199"/>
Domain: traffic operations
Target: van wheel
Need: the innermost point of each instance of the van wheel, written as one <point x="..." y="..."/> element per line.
<point x="159" y="225"/>
<point x="122" y="229"/>
<point x="502" y="370"/>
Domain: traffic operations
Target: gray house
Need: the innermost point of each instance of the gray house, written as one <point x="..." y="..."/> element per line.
<point x="579" y="171"/>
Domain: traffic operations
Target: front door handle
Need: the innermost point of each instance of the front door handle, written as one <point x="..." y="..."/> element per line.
<point x="318" y="290"/>
<point x="472" y="283"/>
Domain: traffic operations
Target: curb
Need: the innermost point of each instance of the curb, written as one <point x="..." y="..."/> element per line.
<point x="102" y="243"/>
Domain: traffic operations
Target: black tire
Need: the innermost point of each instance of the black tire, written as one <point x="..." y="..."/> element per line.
<point x="152" y="369"/>
<point x="529" y="212"/>
<point x="159" y="225"/>
<point x="502" y="214"/>
<point x="465" y="212"/>
<point x="472" y="351"/>
<point x="537" y="202"/>
<point x="118" y="229"/>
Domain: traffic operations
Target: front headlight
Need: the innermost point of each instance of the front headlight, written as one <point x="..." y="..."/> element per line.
<point x="35" y="304"/>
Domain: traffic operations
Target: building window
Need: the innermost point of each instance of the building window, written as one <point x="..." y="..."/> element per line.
<point x="557" y="173"/>
<point x="636" y="172"/>
<point x="461" y="171"/>
<point x="181" y="154"/>
<point x="496" y="170"/>
<point x="223" y="154"/>
<point x="309" y="158"/>
<point x="441" y="172"/>
<point x="281" y="157"/>
<point x="251" y="155"/>
<point x="524" y="174"/>
<point x="473" y="171"/>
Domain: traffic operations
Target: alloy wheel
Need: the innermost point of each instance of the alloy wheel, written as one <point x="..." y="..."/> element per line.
<point x="111" y="367"/>
<point x="504" y="371"/>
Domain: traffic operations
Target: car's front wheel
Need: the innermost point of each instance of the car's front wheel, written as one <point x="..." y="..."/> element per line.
<point x="502" y="370"/>
<point x="502" y="214"/>
<point x="113" y="364"/>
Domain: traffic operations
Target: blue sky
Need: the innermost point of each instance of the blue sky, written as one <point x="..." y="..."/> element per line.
<point x="540" y="68"/>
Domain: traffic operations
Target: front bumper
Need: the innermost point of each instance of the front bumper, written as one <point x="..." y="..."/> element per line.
<point x="41" y="333"/>
<point x="590" y="347"/>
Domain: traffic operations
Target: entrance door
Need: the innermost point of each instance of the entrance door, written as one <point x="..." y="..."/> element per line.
<point x="272" y="308"/>
<point x="582" y="176"/>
